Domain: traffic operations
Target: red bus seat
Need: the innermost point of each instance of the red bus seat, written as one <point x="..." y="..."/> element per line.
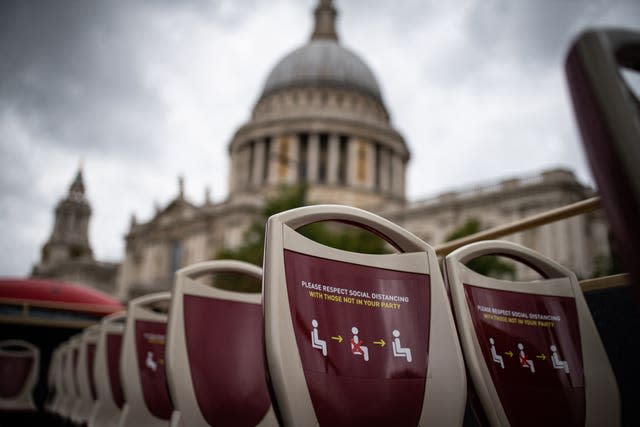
<point x="107" y="409"/>
<point x="142" y="364"/>
<point x="531" y="347"/>
<point x="19" y="366"/>
<point x="215" y="361"/>
<point x="407" y="367"/>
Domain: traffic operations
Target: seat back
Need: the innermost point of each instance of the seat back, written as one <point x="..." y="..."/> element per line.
<point x="357" y="339"/>
<point x="19" y="366"/>
<point x="107" y="409"/>
<point x="215" y="361"/>
<point x="70" y="380"/>
<point x="531" y="348"/>
<point x="84" y="373"/>
<point x="608" y="116"/>
<point x="142" y="364"/>
<point x="52" y="380"/>
<point x="61" y="391"/>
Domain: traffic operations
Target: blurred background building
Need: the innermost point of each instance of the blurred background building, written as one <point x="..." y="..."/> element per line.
<point x="320" y="120"/>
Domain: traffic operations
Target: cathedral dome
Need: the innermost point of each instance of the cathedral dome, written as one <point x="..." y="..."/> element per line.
<point x="322" y="62"/>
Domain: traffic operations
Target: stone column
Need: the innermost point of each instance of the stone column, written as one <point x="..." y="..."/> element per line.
<point x="258" y="162"/>
<point x="352" y="162"/>
<point x="333" y="158"/>
<point x="384" y="169"/>
<point x="283" y="161"/>
<point x="370" y="180"/>
<point x="245" y="153"/>
<point x="403" y="178"/>
<point x="312" y="157"/>
<point x="232" y="172"/>
<point x="267" y="166"/>
<point x="294" y="158"/>
<point x="398" y="173"/>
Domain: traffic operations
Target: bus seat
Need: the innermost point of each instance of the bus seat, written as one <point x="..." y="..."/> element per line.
<point x="215" y="361"/>
<point x="531" y="347"/>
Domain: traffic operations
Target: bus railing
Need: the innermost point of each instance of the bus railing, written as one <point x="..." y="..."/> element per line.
<point x="579" y="208"/>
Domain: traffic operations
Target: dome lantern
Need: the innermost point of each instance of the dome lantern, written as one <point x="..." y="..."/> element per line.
<point x="325" y="26"/>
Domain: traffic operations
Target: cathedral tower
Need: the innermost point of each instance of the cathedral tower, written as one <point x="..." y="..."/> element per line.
<point x="67" y="255"/>
<point x="69" y="239"/>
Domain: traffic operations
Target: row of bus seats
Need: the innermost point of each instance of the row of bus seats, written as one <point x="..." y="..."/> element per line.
<point x="344" y="339"/>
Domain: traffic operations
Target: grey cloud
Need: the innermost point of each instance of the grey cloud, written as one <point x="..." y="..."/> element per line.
<point x="72" y="69"/>
<point x="536" y="33"/>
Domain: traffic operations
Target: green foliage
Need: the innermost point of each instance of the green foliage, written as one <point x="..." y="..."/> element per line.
<point x="606" y="266"/>
<point x="487" y="265"/>
<point x="345" y="237"/>
<point x="472" y="226"/>
<point x="335" y="235"/>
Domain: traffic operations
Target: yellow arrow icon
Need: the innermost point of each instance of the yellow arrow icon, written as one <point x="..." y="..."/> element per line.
<point x="338" y="338"/>
<point x="541" y="356"/>
<point x="509" y="353"/>
<point x="381" y="343"/>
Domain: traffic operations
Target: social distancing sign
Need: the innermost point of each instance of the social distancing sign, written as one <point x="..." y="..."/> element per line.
<point x="531" y="345"/>
<point x="532" y="349"/>
<point x="357" y="339"/>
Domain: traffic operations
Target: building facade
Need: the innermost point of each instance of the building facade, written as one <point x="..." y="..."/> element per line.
<point x="321" y="120"/>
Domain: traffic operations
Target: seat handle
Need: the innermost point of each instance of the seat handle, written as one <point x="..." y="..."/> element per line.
<point x="544" y="266"/>
<point x="393" y="234"/>
<point x="220" y="266"/>
<point x="24" y="346"/>
<point x="114" y="317"/>
<point x="150" y="298"/>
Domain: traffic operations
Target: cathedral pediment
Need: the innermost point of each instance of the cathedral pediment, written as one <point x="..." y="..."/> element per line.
<point x="178" y="210"/>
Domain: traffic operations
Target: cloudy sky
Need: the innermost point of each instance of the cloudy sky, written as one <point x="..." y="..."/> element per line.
<point x="146" y="91"/>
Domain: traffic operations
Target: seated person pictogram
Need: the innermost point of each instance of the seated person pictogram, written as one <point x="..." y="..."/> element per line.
<point x="494" y="355"/>
<point x="151" y="364"/>
<point x="524" y="360"/>
<point x="316" y="342"/>
<point x="398" y="350"/>
<point x="556" y="362"/>
<point x="357" y="347"/>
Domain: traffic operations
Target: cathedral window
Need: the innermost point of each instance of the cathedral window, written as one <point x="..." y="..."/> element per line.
<point x="362" y="162"/>
<point x="71" y="221"/>
<point x="75" y="252"/>
<point x="175" y="255"/>
<point x="323" y="157"/>
<point x="251" y="161"/>
<point x="303" y="150"/>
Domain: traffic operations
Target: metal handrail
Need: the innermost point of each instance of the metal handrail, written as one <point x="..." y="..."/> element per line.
<point x="564" y="212"/>
<point x="558" y="214"/>
<point x="606" y="282"/>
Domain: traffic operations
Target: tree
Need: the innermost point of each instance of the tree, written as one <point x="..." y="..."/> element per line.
<point x="340" y="236"/>
<point x="488" y="265"/>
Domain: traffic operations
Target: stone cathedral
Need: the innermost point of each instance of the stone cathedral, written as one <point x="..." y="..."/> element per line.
<point x="321" y="119"/>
